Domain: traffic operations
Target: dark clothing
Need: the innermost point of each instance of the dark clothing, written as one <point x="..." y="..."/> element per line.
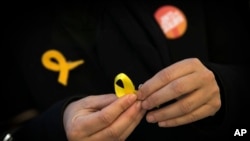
<point x="123" y="36"/>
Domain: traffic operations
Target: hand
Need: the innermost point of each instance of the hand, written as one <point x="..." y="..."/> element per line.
<point x="102" y="117"/>
<point x="191" y="84"/>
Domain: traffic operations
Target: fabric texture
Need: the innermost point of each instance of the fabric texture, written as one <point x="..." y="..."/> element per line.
<point x="123" y="36"/>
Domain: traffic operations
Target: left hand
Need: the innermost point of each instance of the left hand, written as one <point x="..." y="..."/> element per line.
<point x="192" y="85"/>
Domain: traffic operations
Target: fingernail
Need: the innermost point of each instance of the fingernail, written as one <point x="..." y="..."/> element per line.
<point x="150" y="119"/>
<point x="139" y="86"/>
<point x="139" y="94"/>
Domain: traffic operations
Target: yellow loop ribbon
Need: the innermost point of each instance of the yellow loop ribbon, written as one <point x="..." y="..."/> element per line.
<point x="128" y="86"/>
<point x="61" y="65"/>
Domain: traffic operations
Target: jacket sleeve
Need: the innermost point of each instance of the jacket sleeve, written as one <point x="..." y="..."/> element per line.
<point x="47" y="126"/>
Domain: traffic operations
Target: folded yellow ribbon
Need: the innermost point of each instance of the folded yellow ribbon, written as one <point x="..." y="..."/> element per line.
<point x="60" y="64"/>
<point x="127" y="88"/>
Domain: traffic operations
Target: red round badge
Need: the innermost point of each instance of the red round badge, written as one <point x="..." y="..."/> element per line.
<point x="172" y="21"/>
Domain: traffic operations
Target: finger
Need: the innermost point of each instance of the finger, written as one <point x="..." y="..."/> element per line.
<point x="183" y="106"/>
<point x="106" y="116"/>
<point x="167" y="75"/>
<point x="200" y="113"/>
<point x="124" y="125"/>
<point x="135" y="122"/>
<point x="173" y="90"/>
<point x="98" y="101"/>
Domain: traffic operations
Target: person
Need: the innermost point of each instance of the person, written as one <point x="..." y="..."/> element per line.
<point x="187" y="60"/>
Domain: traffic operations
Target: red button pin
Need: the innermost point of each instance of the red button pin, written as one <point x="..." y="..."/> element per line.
<point x="172" y="21"/>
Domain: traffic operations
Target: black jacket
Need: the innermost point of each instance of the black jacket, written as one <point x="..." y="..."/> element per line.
<point x="123" y="36"/>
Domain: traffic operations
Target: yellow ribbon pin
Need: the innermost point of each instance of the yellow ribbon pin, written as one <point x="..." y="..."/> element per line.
<point x="128" y="86"/>
<point x="61" y="65"/>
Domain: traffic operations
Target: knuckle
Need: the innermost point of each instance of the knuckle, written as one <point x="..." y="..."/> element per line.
<point x="111" y="133"/>
<point x="164" y="75"/>
<point x="85" y="102"/>
<point x="105" y="117"/>
<point x="124" y="106"/>
<point x="216" y="90"/>
<point x="185" y="106"/>
<point x="216" y="105"/>
<point x="150" y="102"/>
<point x="177" y="87"/>
<point x="194" y="62"/>
<point x="193" y="117"/>
<point x="208" y="75"/>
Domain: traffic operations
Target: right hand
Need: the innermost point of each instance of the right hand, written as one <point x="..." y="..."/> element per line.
<point x="102" y="117"/>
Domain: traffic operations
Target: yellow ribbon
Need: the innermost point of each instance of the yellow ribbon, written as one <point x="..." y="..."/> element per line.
<point x="128" y="86"/>
<point x="59" y="64"/>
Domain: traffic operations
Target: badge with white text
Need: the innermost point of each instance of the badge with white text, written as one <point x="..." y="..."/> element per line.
<point x="172" y="21"/>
